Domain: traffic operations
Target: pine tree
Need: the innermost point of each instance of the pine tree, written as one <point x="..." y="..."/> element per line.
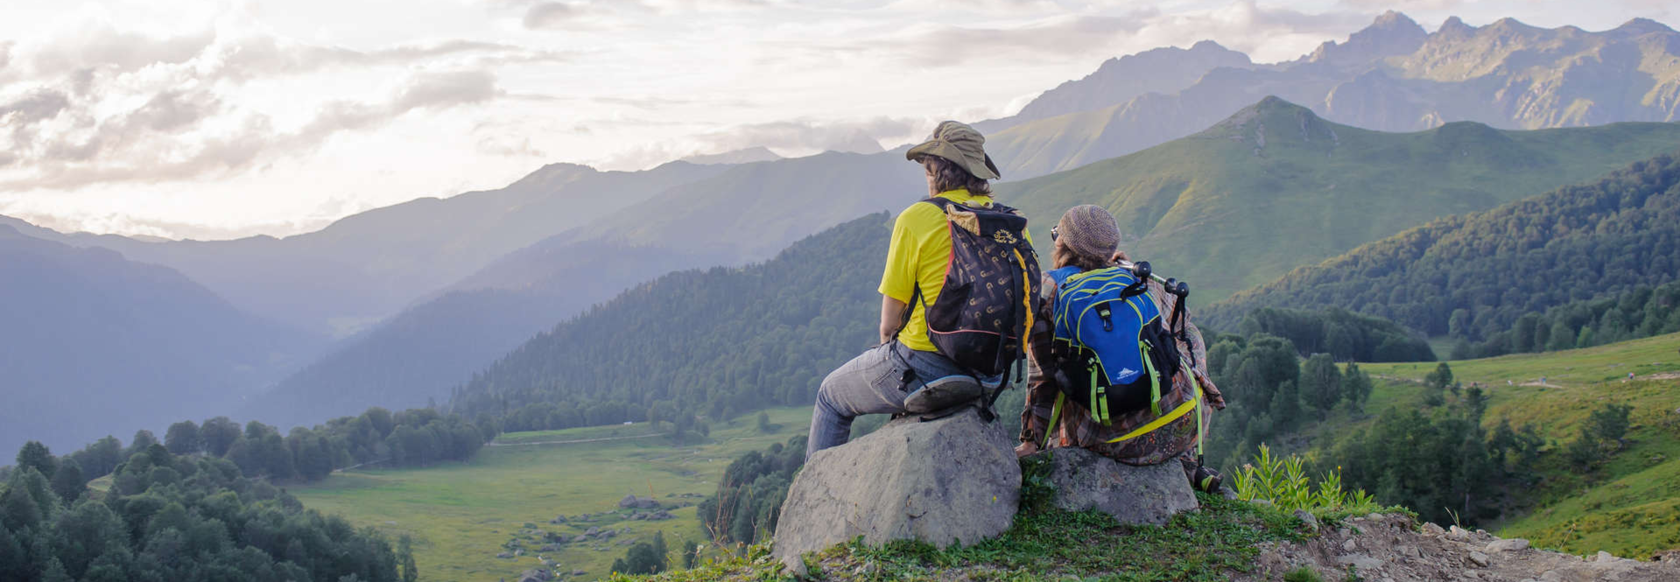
<point x="405" y="558"/>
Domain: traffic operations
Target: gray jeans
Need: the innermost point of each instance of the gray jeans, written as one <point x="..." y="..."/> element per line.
<point x="872" y="383"/>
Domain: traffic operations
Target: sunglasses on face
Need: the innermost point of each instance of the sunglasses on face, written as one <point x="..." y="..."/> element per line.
<point x="1055" y="232"/>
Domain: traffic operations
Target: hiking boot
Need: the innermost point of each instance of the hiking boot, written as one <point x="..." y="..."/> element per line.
<point x="943" y="393"/>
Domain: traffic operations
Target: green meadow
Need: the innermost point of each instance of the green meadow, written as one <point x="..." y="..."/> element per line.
<point x="1630" y="504"/>
<point x="461" y="515"/>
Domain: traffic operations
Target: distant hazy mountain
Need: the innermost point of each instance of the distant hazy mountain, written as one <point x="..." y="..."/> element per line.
<point x="1276" y="186"/>
<point x="743" y="156"/>
<point x="91" y="343"/>
<point x="747" y="213"/>
<point x="1391" y="76"/>
<point x="370" y="265"/>
<point x="1164" y="70"/>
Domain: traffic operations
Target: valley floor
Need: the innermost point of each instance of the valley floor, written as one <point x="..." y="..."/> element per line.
<point x="461" y="515"/>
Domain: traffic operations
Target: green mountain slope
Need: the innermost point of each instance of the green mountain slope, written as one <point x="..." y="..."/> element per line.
<point x="1275" y="187"/>
<point x="1626" y="504"/>
<point x="1484" y="271"/>
<point x="718" y="342"/>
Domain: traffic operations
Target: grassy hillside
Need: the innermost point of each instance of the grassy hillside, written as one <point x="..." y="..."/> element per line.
<point x="460" y="515"/>
<point x="1473" y="276"/>
<point x="1276" y="187"/>
<point x="1629" y="505"/>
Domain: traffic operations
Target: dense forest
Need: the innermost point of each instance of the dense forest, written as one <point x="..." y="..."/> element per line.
<point x="717" y="342"/>
<point x="1640" y="313"/>
<point x="175" y="518"/>
<point x="1346" y="336"/>
<point x="408" y="438"/>
<point x="1475" y="276"/>
<point x="1271" y="391"/>
<point x="749" y="497"/>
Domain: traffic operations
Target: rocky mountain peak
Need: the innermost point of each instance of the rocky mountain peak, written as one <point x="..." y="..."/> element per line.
<point x="1390" y="34"/>
<point x="1455" y="26"/>
<point x="1642" y="26"/>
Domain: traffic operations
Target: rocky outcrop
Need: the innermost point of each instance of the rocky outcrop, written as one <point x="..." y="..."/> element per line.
<point x="947" y="481"/>
<point x="1387" y="547"/>
<point x="1085" y="480"/>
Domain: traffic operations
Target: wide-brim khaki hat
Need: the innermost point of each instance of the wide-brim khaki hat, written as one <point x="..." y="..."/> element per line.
<point x="960" y="144"/>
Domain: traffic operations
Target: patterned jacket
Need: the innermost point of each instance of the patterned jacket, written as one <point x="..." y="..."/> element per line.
<point x="1076" y="429"/>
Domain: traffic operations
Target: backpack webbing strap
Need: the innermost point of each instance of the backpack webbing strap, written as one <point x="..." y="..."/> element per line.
<point x="1055" y="415"/>
<point x="1176" y="414"/>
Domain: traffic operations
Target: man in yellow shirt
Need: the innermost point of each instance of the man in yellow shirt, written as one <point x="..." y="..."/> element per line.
<point x="879" y="380"/>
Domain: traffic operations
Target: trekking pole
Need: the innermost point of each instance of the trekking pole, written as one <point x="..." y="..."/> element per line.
<point x="1142" y="269"/>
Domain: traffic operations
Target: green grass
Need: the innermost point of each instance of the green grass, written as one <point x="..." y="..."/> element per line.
<point x="1630" y="505"/>
<point x="1044" y="543"/>
<point x="461" y="514"/>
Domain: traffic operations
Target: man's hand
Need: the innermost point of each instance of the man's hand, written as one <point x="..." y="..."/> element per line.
<point x="1026" y="448"/>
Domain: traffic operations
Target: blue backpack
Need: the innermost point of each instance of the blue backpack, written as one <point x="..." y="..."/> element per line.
<point x="1114" y="355"/>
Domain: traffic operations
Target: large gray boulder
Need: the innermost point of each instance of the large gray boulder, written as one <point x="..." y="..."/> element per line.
<point x="947" y="481"/>
<point x="1086" y="480"/>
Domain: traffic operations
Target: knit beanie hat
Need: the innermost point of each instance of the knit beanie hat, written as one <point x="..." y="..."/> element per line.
<point x="1089" y="231"/>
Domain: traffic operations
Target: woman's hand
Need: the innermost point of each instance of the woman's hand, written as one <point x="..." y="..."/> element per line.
<point x="1025" y="449"/>
<point x="1119" y="256"/>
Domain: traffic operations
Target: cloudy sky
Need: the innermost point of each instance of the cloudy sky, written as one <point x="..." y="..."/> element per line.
<point x="215" y="119"/>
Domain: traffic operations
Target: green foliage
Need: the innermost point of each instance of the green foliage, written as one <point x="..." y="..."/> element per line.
<point x="1600" y="437"/>
<point x="1302" y="574"/>
<point x="1044" y="543"/>
<point x="1283" y="482"/>
<point x="718" y="342"/>
<point x="1487" y="272"/>
<point x="35" y="455"/>
<point x="1437" y="463"/>
<point x="749" y="497"/>
<point x="186" y="518"/>
<point x="1344" y="335"/>
<point x="644" y="558"/>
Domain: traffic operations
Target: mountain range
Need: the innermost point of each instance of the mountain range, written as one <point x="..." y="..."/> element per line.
<point x="1391" y="76"/>
<point x="421" y="294"/>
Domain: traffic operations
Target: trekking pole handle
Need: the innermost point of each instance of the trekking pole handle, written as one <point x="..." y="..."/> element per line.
<point x="1144" y="266"/>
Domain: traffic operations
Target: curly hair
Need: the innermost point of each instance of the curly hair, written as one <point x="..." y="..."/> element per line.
<point x="949" y="176"/>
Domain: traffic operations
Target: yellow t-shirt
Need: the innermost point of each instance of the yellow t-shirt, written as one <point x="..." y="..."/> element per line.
<point x="918" y="255"/>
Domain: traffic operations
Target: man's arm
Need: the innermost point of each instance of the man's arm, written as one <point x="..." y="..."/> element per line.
<point x="892" y="317"/>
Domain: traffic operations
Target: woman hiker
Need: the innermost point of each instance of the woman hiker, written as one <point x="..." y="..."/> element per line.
<point x="1088" y="238"/>
<point x="879" y="381"/>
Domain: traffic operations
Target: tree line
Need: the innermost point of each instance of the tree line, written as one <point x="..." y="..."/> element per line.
<point x="169" y="517"/>
<point x="1346" y="336"/>
<point x="1640" y="313"/>
<point x="415" y="437"/>
<point x="1271" y="391"/>
<point x="1474" y="277"/>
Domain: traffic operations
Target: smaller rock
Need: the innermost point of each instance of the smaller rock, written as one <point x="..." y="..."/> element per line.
<point x="579" y="572"/>
<point x="1430" y="529"/>
<point x="1510" y="545"/>
<point x="592" y="531"/>
<point x="1307" y="518"/>
<point x="1458" y="533"/>
<point x="1350" y="545"/>
<point x="505" y="556"/>
<point x="1376" y="517"/>
<point x="1480" y="559"/>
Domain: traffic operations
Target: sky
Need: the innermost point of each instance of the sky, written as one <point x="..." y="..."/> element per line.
<point x="220" y="119"/>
